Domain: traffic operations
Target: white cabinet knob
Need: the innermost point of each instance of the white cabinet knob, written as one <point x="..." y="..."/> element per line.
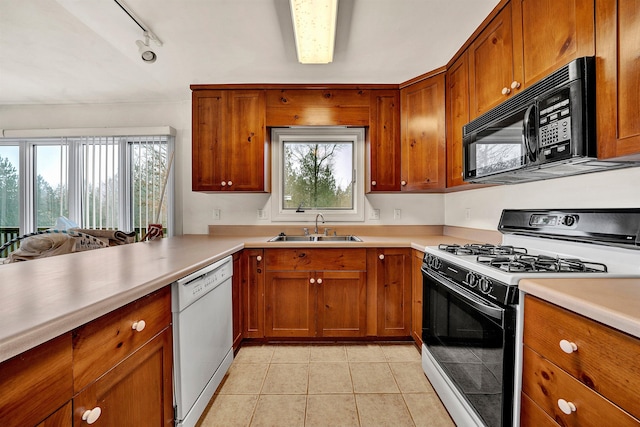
<point x="139" y="325"/>
<point x="381" y="256"/>
<point x="229" y="183"/>
<point x="373" y="183"/>
<point x="223" y="183"/>
<point x="515" y="84"/>
<point x="91" y="416"/>
<point x="319" y="281"/>
<point x="403" y="182"/>
<point x="566" y="407"/>
<point x="506" y="91"/>
<point x="259" y="258"/>
<point x="312" y="281"/>
<point x="568" y="346"/>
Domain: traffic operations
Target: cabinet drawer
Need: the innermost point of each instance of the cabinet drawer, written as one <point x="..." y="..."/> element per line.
<point x="531" y="415"/>
<point x="36" y="383"/>
<point x="303" y="259"/>
<point x="104" y="342"/>
<point x="546" y="383"/>
<point x="605" y="359"/>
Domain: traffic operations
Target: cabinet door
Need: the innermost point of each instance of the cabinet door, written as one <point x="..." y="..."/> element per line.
<point x="60" y="418"/>
<point x="34" y="384"/>
<point x="416" y="296"/>
<point x="494" y="65"/>
<point x="208" y="140"/>
<point x="236" y="299"/>
<point x="136" y="392"/>
<point x="342" y="303"/>
<point x="423" y="135"/>
<point x="393" y="279"/>
<point x="553" y="33"/>
<point x="290" y="298"/>
<point x="384" y="141"/>
<point x="252" y="276"/>
<point x="618" y="78"/>
<point x="457" y="104"/>
<point x="245" y="150"/>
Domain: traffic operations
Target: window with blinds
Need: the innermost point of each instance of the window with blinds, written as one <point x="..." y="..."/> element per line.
<point x="98" y="182"/>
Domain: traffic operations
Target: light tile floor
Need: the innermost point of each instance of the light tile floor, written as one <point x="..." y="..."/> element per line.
<point x="326" y="385"/>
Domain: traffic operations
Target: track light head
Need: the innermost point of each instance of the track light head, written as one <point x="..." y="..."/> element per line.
<point x="145" y="51"/>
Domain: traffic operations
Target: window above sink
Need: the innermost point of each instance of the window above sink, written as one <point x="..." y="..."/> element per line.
<point x="318" y="169"/>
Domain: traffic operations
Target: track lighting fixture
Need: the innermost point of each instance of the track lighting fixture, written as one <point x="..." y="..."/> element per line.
<point x="144" y="49"/>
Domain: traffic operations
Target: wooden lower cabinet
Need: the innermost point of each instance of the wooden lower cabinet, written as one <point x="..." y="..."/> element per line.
<point x="251" y="275"/>
<point x="593" y="367"/>
<point x="36" y="383"/>
<point x="391" y="272"/>
<point x="126" y="372"/>
<point x="60" y="418"/>
<point x="416" y="296"/>
<point x="302" y="301"/>
<point x="236" y="298"/>
<point x="316" y="304"/>
<point x="136" y="392"/>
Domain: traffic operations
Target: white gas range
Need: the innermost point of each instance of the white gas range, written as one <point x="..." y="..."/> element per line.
<point x="472" y="321"/>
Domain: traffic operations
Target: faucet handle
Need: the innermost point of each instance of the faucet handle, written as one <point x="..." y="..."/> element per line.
<point x="326" y="231"/>
<point x="306" y="231"/>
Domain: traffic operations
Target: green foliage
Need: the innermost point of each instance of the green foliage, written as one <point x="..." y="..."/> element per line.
<point x="9" y="197"/>
<point x="310" y="177"/>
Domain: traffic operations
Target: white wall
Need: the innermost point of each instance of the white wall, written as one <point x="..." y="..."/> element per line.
<point x="615" y="189"/>
<point x="195" y="210"/>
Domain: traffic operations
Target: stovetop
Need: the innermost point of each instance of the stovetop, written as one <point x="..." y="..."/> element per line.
<point x="514" y="259"/>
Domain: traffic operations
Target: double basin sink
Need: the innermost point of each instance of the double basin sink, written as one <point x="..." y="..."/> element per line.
<point x="314" y="238"/>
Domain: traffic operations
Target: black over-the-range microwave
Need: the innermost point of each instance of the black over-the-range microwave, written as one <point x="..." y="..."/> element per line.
<point x="546" y="131"/>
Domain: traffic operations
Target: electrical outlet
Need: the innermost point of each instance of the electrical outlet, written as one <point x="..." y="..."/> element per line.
<point x="467" y="214"/>
<point x="374" y="214"/>
<point x="216" y="214"/>
<point x="397" y="213"/>
<point x="262" y="214"/>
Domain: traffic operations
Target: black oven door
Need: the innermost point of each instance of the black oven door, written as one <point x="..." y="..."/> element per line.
<point x="473" y="342"/>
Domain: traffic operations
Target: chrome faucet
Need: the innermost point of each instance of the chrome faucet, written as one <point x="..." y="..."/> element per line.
<point x="315" y="230"/>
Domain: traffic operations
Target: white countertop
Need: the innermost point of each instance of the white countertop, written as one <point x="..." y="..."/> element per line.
<point x="44" y="298"/>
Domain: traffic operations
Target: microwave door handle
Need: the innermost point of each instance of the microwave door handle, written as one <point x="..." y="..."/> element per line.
<point x="528" y="138"/>
<point x="469" y="299"/>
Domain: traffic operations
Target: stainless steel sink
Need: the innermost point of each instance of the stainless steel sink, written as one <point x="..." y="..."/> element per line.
<point x="284" y="238"/>
<point x="339" y="239"/>
<point x="293" y="239"/>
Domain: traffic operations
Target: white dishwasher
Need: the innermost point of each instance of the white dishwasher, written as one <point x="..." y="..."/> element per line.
<point x="202" y="337"/>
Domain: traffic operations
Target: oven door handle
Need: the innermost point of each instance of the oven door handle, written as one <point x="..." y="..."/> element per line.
<point x="489" y="309"/>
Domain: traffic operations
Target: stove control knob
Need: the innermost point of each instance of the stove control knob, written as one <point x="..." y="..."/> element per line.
<point x="485" y="285"/>
<point x="471" y="280"/>
<point x="569" y="220"/>
<point x="435" y="262"/>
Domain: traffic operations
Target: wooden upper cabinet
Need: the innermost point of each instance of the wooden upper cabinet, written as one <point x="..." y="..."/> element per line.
<point x="457" y="105"/>
<point x="552" y="34"/>
<point x="495" y="65"/>
<point x="618" y="78"/>
<point x="229" y="149"/>
<point x="317" y="107"/>
<point x="423" y="135"/>
<point x="384" y="141"/>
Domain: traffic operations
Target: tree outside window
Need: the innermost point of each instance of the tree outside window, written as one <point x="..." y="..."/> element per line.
<point x="319" y="175"/>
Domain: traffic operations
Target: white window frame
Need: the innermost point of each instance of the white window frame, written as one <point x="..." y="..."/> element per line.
<point x="324" y="134"/>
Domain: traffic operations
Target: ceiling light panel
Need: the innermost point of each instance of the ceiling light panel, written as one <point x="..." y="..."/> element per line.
<point x="314" y="25"/>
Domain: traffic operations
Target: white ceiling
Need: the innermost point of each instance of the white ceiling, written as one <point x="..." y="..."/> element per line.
<point x="83" y="51"/>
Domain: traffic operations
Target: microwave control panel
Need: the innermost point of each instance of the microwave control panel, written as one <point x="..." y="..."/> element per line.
<point x="554" y="132"/>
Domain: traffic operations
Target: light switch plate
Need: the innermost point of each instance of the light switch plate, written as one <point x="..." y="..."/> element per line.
<point x="397" y="213"/>
<point x="216" y="214"/>
<point x="374" y="214"/>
